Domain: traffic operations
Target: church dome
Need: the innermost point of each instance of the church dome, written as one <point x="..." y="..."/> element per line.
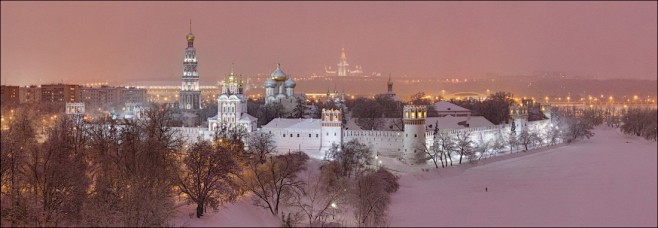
<point x="278" y="74"/>
<point x="190" y="37"/>
<point x="269" y="83"/>
<point x="231" y="77"/>
<point x="290" y="83"/>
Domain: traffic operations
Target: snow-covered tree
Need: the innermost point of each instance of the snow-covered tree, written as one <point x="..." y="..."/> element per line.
<point x="354" y="157"/>
<point x="464" y="144"/>
<point x="275" y="180"/>
<point x="206" y="175"/>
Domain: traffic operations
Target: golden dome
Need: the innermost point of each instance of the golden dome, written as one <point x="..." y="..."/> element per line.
<point x="190" y="37"/>
<point x="231" y="77"/>
<point x="278" y="74"/>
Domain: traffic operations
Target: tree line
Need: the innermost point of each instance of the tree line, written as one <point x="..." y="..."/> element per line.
<point x="137" y="173"/>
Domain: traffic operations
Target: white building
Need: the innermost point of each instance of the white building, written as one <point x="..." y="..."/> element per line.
<point x="316" y="136"/>
<point x="232" y="106"/>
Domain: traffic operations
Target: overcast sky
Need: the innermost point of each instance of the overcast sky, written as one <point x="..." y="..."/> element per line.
<point x="137" y="41"/>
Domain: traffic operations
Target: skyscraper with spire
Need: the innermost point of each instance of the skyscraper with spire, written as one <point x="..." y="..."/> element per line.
<point x="342" y="64"/>
<point x="343" y="67"/>
<point x="190" y="93"/>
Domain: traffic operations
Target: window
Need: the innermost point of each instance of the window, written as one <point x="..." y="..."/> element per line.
<point x="297" y="135"/>
<point x="406" y="135"/>
<point x="334" y="133"/>
<point x="284" y="135"/>
<point x="291" y="135"/>
<point x="415" y="135"/>
<point x="327" y="133"/>
<point x="317" y="135"/>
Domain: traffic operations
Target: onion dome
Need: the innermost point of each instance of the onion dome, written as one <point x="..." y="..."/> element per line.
<point x="231" y="77"/>
<point x="269" y="83"/>
<point x="290" y="83"/>
<point x="190" y="37"/>
<point x="278" y="74"/>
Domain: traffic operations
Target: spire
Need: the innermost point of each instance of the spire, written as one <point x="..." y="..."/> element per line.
<point x="190" y="25"/>
<point x="232" y="68"/>
<point x="342" y="54"/>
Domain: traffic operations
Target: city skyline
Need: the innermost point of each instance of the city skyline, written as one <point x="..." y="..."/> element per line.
<point x="141" y="41"/>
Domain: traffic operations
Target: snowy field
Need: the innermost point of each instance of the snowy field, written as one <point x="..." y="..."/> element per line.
<point x="603" y="181"/>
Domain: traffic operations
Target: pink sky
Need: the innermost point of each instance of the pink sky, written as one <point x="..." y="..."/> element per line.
<point x="137" y="41"/>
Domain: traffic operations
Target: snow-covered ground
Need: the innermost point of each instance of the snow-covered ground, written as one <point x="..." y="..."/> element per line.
<point x="239" y="214"/>
<point x="603" y="181"/>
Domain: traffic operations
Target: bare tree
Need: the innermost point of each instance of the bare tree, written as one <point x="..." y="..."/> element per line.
<point x="371" y="199"/>
<point x="464" y="144"/>
<point x="578" y="129"/>
<point x="527" y="138"/>
<point x="317" y="198"/>
<point x="137" y="184"/>
<point x="446" y="147"/>
<point x="18" y="142"/>
<point x="206" y="176"/>
<point x="353" y="157"/>
<point x="57" y="174"/>
<point x="261" y="144"/>
<point x="275" y="180"/>
<point x="511" y="138"/>
<point x="482" y="146"/>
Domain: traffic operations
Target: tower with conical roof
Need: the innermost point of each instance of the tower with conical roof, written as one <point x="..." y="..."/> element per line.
<point x="190" y="93"/>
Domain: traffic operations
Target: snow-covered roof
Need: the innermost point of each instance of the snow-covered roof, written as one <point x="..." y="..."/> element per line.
<point x="280" y="123"/>
<point x="247" y="117"/>
<point x="444" y="106"/>
<point x="452" y="122"/>
<point x="351" y="125"/>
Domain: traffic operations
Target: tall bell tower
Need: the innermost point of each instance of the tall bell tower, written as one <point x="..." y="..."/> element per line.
<point x="190" y="93"/>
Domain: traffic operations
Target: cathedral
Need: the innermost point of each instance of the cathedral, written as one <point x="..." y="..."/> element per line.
<point x="280" y="88"/>
<point x="232" y="106"/>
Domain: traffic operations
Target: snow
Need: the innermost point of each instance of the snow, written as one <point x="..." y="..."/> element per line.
<point x="603" y="181"/>
<point x="444" y="106"/>
<point x="242" y="213"/>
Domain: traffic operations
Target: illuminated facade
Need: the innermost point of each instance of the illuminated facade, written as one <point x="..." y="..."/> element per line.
<point x="232" y="106"/>
<point x="190" y="93"/>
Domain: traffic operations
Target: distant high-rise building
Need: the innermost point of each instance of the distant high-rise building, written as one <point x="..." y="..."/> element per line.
<point x="190" y="93"/>
<point x="60" y="93"/>
<point x="110" y="96"/>
<point x="29" y="94"/>
<point x="10" y="94"/>
<point x="343" y="67"/>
